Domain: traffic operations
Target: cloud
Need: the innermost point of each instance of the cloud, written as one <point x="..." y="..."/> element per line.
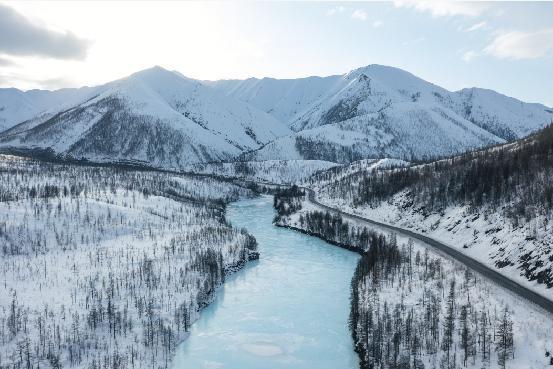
<point x="441" y="8"/>
<point x="521" y="45"/>
<point x="477" y="26"/>
<point x="469" y="56"/>
<point x="55" y="83"/>
<point x="21" y="80"/>
<point x="336" y="9"/>
<point x="359" y="15"/>
<point x="21" y="37"/>
<point x="5" y="62"/>
<point x="377" y="24"/>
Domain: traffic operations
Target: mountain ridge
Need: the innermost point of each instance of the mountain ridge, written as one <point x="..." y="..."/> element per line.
<point x="385" y="101"/>
<point x="370" y="112"/>
<point x="154" y="116"/>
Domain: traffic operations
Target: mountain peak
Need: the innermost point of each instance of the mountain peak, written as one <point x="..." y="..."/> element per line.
<point x="376" y="69"/>
<point x="157" y="79"/>
<point x="154" y="71"/>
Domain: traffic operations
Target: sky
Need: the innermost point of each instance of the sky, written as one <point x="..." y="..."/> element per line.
<point x="505" y="46"/>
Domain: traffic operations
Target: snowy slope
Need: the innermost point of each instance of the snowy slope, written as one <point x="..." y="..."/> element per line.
<point x="166" y="119"/>
<point x="504" y="116"/>
<point x="404" y="133"/>
<point x="153" y="116"/>
<point x="14" y="107"/>
<point x="502" y="219"/>
<point x="282" y="98"/>
<point x="273" y="171"/>
<point x="379" y="111"/>
<point x="17" y="106"/>
<point x="104" y="254"/>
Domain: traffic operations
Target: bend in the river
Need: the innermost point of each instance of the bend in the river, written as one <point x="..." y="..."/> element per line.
<point x="287" y="310"/>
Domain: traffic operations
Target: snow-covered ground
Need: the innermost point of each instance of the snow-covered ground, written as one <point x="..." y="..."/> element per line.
<point x="154" y="116"/>
<point x="167" y="120"/>
<point x="483" y="302"/>
<point x="520" y="252"/>
<point x="380" y="111"/>
<point x="107" y="268"/>
<point x="308" y="102"/>
<point x="274" y="171"/>
<point x="532" y="327"/>
<point x="355" y="169"/>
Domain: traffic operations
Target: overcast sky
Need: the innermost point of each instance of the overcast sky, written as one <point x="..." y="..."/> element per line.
<point x="503" y="46"/>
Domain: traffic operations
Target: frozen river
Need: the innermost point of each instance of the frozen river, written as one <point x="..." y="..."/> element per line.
<point x="287" y="310"/>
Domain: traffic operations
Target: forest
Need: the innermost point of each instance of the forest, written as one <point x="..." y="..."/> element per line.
<point x="495" y="204"/>
<point x="432" y="317"/>
<point x="412" y="308"/>
<point x="515" y="178"/>
<point x="107" y="267"/>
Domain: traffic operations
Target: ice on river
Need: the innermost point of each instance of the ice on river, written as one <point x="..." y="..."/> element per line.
<point x="288" y="310"/>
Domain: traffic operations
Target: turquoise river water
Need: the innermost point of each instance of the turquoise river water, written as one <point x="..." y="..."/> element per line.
<point x="287" y="310"/>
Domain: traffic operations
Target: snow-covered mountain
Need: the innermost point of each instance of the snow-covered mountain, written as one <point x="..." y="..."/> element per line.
<point x="282" y="98"/>
<point x="17" y="106"/>
<point x="379" y="111"/>
<point x="494" y="204"/>
<point x="168" y="120"/>
<point x="153" y="116"/>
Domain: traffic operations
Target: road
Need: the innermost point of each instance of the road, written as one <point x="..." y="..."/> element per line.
<point x="473" y="264"/>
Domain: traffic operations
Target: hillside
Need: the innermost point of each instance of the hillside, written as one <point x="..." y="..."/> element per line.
<point x="495" y="204"/>
<point x="413" y="306"/>
<point x="17" y="106"/>
<point x="282" y="98"/>
<point x="153" y="116"/>
<point x="106" y="267"/>
<point x="379" y="111"/>
<point x="167" y="120"/>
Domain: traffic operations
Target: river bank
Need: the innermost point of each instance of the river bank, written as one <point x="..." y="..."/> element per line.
<point x="287" y="310"/>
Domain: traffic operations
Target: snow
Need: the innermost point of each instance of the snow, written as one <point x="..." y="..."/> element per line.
<point x="532" y="326"/>
<point x="486" y="237"/>
<point x="371" y="112"/>
<point x="273" y="171"/>
<point x="118" y="243"/>
<point x="200" y="123"/>
<point x="379" y="111"/>
<point x="17" y="106"/>
<point x="494" y="111"/>
<point x="282" y="98"/>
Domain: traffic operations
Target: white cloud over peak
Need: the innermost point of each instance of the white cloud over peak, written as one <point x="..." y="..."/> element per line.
<point x="359" y="15"/>
<point x="23" y="37"/>
<point x="521" y="45"/>
<point x="440" y="8"/>
<point x="469" y="55"/>
<point x="477" y="26"/>
<point x="336" y="9"/>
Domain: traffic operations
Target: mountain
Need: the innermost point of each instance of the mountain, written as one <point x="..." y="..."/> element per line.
<point x="379" y="111"/>
<point x="494" y="204"/>
<point x="17" y="106"/>
<point x="282" y="98"/>
<point x="153" y="116"/>
<point x="166" y="119"/>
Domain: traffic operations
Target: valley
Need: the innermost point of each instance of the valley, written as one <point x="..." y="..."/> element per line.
<point x="136" y="229"/>
<point x="398" y="315"/>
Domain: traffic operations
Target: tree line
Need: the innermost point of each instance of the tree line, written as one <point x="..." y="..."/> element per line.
<point x="107" y="268"/>
<point x="444" y="328"/>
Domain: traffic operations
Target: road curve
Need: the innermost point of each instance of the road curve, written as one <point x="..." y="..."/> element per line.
<point x="473" y="264"/>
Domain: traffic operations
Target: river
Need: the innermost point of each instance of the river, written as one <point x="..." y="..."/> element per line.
<point x="287" y="310"/>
